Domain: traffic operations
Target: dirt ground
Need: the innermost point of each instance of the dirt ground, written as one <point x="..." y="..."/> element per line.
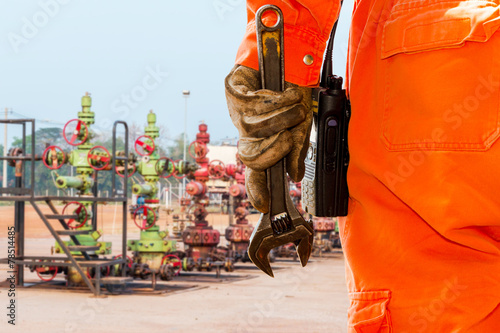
<point x="311" y="299"/>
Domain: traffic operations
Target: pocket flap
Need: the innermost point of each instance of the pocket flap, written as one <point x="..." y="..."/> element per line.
<point x="416" y="27"/>
<point x="368" y="312"/>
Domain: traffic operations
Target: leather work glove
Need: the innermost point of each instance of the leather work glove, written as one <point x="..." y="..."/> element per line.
<point x="272" y="125"/>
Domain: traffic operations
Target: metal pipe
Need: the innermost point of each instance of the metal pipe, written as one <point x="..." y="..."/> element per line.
<point x="196" y="188"/>
<point x="19" y="230"/>
<point x="125" y="191"/>
<point x="4" y="180"/>
<point x="65" y="182"/>
<point x="94" y="204"/>
<point x="32" y="158"/>
<point x="138" y="189"/>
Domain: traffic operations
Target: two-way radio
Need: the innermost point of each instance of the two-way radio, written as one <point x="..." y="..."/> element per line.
<point x="324" y="187"/>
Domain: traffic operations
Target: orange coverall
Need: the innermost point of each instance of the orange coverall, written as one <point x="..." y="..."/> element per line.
<point x="422" y="237"/>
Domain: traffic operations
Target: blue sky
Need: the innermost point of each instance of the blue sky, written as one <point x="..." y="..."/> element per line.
<point x="132" y="56"/>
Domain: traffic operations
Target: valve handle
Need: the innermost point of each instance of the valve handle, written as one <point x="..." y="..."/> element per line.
<point x="77" y="211"/>
<point x="146" y="148"/>
<point x="193" y="208"/>
<point x="95" y="159"/>
<point x="52" y="150"/>
<point x="76" y="132"/>
<point x="129" y="260"/>
<point x="142" y="213"/>
<point x="197" y="149"/>
<point x="161" y="170"/>
<point x="120" y="170"/>
<point x="216" y="169"/>
<point x="42" y="269"/>
<point x="174" y="260"/>
<point x="175" y="173"/>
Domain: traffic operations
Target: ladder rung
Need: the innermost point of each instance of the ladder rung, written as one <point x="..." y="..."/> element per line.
<point x="15" y="190"/>
<point x="72" y="232"/>
<point x="83" y="248"/>
<point x="60" y="217"/>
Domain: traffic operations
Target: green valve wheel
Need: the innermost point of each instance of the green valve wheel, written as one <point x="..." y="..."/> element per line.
<point x="179" y="170"/>
<point x="164" y="167"/>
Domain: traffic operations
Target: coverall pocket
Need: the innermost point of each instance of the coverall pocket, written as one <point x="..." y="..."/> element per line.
<point x="442" y="77"/>
<point x="368" y="312"/>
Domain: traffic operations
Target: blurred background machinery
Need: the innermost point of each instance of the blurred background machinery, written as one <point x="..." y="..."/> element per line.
<point x="153" y="254"/>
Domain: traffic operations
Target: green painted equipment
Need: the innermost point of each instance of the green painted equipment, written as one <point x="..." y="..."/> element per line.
<point x="153" y="251"/>
<point x="86" y="159"/>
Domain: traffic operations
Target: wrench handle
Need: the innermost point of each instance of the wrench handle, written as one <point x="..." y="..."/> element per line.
<point x="271" y="48"/>
<point x="272" y="73"/>
<point x="276" y="183"/>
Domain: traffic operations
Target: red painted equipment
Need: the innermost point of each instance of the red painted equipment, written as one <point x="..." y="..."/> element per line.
<point x="196" y="188"/>
<point x="238" y="234"/>
<point x="201" y="239"/>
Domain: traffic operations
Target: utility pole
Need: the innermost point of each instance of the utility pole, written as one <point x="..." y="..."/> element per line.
<point x="4" y="180"/>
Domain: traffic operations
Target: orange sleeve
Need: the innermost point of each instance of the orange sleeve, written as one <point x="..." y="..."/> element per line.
<point x="307" y="27"/>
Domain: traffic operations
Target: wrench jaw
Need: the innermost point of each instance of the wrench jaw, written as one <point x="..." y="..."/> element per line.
<point x="261" y="244"/>
<point x="264" y="239"/>
<point x="304" y="246"/>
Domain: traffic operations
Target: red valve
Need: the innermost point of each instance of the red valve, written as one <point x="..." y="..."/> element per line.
<point x="185" y="200"/>
<point x="79" y="210"/>
<point x="196" y="210"/>
<point x="75" y="133"/>
<point x="197" y="149"/>
<point x="237" y="190"/>
<point x="142" y="213"/>
<point x="98" y="160"/>
<point x="216" y="169"/>
<point x="231" y="170"/>
<point x="196" y="188"/>
<point x="152" y="201"/>
<point x="52" y="150"/>
<point x="129" y="260"/>
<point x="167" y="169"/>
<point x="142" y="148"/>
<point x="46" y="269"/>
<point x="174" y="260"/>
<point x="120" y="170"/>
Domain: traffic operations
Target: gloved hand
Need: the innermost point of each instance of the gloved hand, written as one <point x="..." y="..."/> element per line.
<point x="272" y="125"/>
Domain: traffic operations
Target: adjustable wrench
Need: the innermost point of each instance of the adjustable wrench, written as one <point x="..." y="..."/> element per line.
<point x="283" y="223"/>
